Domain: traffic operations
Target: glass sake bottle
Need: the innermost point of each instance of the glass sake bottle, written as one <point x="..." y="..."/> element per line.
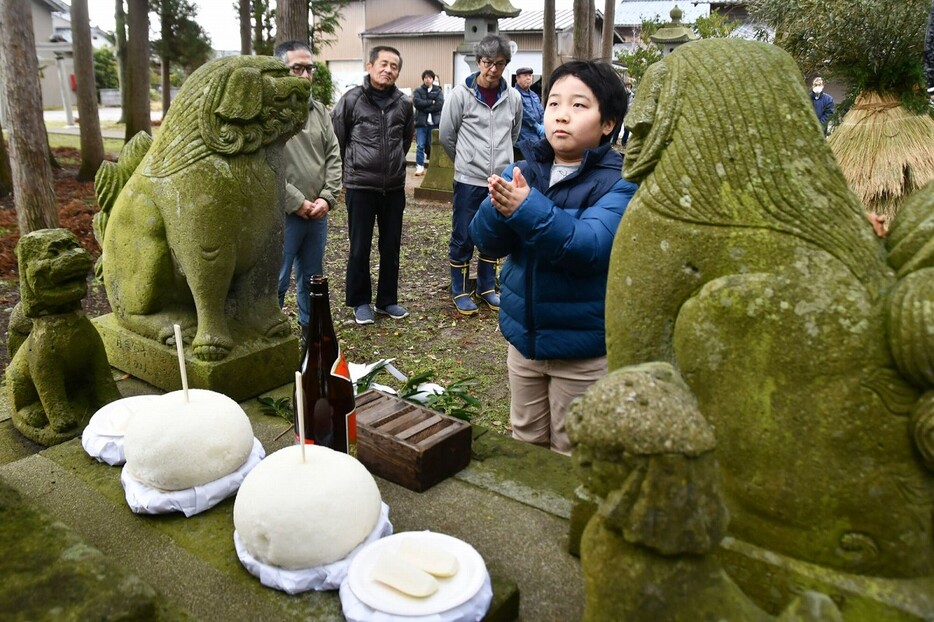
<point x="329" y="406"/>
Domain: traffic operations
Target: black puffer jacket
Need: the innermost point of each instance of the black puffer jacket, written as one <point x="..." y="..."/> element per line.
<point x="373" y="140"/>
<point x="427" y="102"/>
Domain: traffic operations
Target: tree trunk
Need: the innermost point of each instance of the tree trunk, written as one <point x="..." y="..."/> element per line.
<point x="929" y="53"/>
<point x="583" y="29"/>
<point x="33" y="192"/>
<point x="245" y="39"/>
<point x="166" y="23"/>
<point x="6" y="175"/>
<point x="257" y="24"/>
<point x="609" y="30"/>
<point x="137" y="113"/>
<point x="92" y="144"/>
<point x="120" y="53"/>
<point x="549" y="39"/>
<point x="291" y="21"/>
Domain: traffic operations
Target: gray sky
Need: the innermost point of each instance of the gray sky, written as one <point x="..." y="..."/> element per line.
<point x="220" y="19"/>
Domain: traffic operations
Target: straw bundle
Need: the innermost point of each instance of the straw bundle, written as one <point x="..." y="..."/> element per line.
<point x="884" y="151"/>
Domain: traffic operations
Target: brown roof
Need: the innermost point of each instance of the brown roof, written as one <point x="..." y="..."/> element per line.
<point x="527" y="21"/>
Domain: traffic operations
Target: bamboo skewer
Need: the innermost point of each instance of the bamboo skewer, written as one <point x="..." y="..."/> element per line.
<point x="299" y="411"/>
<point x="180" y="349"/>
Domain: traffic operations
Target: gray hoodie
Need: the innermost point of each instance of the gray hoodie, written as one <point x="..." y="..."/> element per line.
<point x="478" y="138"/>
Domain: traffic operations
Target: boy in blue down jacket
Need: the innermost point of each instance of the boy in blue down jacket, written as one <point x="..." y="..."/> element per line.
<point x="554" y="215"/>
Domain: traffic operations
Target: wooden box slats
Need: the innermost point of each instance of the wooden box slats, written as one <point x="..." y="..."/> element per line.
<point x="409" y="444"/>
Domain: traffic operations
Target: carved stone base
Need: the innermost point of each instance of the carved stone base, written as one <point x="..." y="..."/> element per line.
<point x="772" y="580"/>
<point x="255" y="365"/>
<point x="438" y="183"/>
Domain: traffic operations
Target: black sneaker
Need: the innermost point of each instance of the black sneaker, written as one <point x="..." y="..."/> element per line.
<point x="362" y="314"/>
<point x="396" y="312"/>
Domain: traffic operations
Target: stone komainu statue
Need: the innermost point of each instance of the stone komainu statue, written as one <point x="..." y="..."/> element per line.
<point x="746" y="261"/>
<point x="191" y="226"/>
<point x="644" y="450"/>
<point x="59" y="374"/>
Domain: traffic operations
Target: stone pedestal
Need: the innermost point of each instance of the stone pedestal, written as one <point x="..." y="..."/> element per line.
<point x="772" y="579"/>
<point x="253" y="367"/>
<point x="438" y="182"/>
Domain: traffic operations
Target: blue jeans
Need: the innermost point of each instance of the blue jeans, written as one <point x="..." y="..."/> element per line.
<point x="304" y="247"/>
<point x="466" y="202"/>
<point x="423" y="144"/>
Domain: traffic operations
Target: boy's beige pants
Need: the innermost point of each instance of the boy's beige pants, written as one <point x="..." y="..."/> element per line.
<point x="541" y="392"/>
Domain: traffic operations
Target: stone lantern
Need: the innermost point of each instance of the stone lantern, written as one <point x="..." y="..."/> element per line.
<point x="481" y="18"/>
<point x="671" y="35"/>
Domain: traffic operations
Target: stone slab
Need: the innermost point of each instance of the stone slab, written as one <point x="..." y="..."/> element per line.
<point x="253" y="367"/>
<point x="493" y="506"/>
<point x="526" y="473"/>
<point x="433" y="194"/>
<point x="772" y="580"/>
<point x="50" y="573"/>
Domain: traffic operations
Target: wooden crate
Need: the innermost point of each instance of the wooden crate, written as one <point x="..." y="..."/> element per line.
<point x="409" y="444"/>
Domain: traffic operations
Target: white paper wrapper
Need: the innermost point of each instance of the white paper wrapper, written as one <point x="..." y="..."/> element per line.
<point x="107" y="449"/>
<point x="102" y="439"/>
<point x="145" y="500"/>
<point x="471" y="611"/>
<point x="319" y="578"/>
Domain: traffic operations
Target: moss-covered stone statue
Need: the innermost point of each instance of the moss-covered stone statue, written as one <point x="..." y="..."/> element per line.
<point x="746" y="262"/>
<point x="59" y="375"/>
<point x="646" y="453"/>
<point x="192" y="225"/>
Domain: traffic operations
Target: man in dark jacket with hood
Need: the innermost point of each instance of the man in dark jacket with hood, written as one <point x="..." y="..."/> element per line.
<point x="374" y="124"/>
<point x="823" y="103"/>
<point x="428" y="100"/>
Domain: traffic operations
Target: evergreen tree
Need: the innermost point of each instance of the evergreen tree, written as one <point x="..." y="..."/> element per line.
<point x="885" y="143"/>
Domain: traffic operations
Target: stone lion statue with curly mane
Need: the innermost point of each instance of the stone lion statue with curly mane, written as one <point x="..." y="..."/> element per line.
<point x="191" y="225"/>
<point x="58" y="374"/>
<point x="746" y="261"/>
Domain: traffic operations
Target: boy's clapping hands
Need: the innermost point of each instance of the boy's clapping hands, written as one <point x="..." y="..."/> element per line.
<point x="507" y="195"/>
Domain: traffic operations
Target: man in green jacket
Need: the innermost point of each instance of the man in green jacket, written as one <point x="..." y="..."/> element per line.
<point x="312" y="162"/>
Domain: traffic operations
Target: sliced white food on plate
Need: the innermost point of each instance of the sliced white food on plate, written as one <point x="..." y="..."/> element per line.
<point x="399" y="574"/>
<point x="431" y="559"/>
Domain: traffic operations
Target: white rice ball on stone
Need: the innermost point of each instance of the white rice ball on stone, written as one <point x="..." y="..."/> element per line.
<point x="177" y="444"/>
<point x="298" y="515"/>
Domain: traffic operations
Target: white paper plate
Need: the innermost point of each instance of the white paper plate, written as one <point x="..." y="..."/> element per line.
<point x="112" y="418"/>
<point x="452" y="591"/>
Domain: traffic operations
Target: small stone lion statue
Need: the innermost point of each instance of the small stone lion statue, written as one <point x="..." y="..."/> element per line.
<point x="746" y="261"/>
<point x="59" y="374"/>
<point x="191" y="226"/>
<point x="646" y="453"/>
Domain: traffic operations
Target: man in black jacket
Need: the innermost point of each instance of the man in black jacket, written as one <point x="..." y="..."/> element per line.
<point x="374" y="126"/>
<point x="428" y="100"/>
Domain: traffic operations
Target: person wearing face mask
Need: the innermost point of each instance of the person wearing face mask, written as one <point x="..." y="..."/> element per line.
<point x="823" y="103"/>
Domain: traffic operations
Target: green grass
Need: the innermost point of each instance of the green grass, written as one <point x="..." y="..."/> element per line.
<point x="112" y="146"/>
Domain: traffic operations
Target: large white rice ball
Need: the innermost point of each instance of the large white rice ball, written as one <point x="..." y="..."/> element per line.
<point x="176" y="444"/>
<point x="294" y="515"/>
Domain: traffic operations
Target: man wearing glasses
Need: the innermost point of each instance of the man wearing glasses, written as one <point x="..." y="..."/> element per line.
<point x="480" y="122"/>
<point x="312" y="163"/>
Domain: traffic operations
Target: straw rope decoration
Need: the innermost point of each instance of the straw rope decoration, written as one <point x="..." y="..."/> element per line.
<point x="885" y="152"/>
